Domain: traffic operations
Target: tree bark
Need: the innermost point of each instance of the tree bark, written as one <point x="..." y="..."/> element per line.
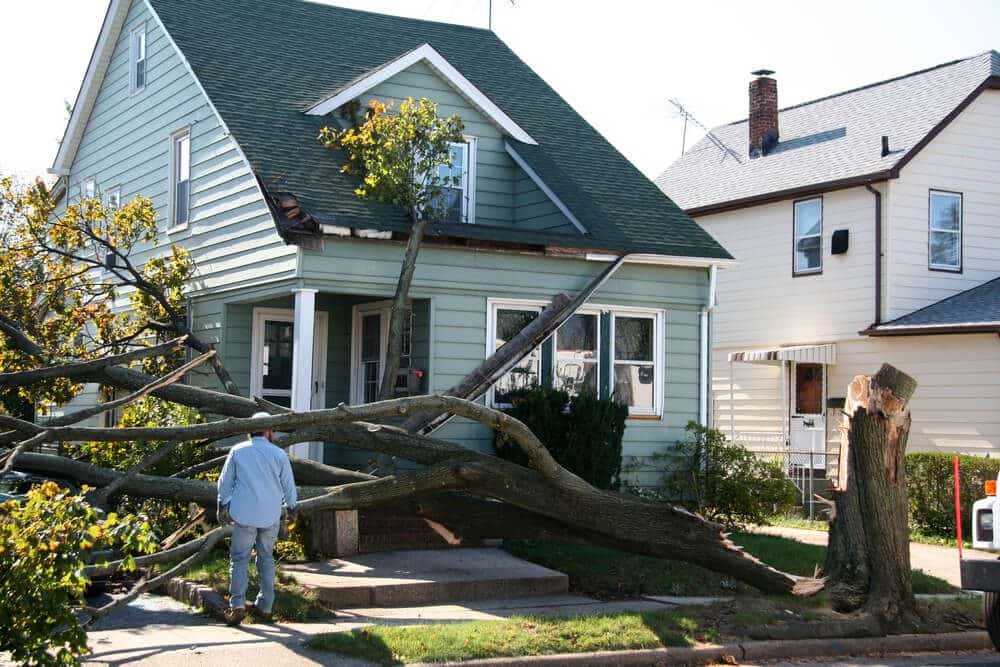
<point x="868" y="562"/>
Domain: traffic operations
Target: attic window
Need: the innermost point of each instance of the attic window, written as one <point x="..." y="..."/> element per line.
<point x="180" y="178"/>
<point x="459" y="200"/>
<point x="944" y="241"/>
<point x="137" y="59"/>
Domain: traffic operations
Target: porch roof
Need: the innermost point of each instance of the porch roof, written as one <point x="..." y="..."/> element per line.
<point x="816" y="354"/>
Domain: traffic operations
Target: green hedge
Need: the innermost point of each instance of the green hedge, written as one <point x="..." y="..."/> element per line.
<point x="930" y="487"/>
<point x="583" y="434"/>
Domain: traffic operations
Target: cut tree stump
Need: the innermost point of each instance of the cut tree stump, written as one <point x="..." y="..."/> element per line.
<point x="868" y="560"/>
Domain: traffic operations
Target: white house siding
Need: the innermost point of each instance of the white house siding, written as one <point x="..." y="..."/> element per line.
<point x="964" y="157"/>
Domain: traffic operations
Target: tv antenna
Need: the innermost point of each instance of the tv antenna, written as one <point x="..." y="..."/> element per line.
<point x="682" y="112"/>
<point x="490" y="22"/>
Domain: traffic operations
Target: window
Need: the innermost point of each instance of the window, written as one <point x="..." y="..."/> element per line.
<point x="808" y="389"/>
<point x="113" y="198"/>
<point x="90" y="187"/>
<point x="578" y="354"/>
<point x="508" y="320"/>
<point x="458" y="199"/>
<point x="370" y="322"/>
<point x="180" y="181"/>
<point x="604" y="350"/>
<point x="808" y="243"/>
<point x="944" y="241"/>
<point x="137" y="59"/>
<point x="637" y="359"/>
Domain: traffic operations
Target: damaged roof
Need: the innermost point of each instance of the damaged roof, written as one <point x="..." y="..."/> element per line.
<point x="264" y="64"/>
<point x="830" y="142"/>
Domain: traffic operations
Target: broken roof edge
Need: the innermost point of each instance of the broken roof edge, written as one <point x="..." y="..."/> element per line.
<point x="437" y="62"/>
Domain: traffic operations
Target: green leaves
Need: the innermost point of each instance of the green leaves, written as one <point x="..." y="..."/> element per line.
<point x="398" y="155"/>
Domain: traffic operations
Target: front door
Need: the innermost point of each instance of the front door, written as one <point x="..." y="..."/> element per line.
<point x="808" y="418"/>
<point x="368" y="344"/>
<point x="272" y="345"/>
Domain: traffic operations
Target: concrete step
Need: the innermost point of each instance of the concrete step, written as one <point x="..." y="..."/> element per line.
<point x="400" y="578"/>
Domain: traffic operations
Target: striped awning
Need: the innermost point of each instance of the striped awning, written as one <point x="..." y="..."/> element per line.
<point x="815" y="354"/>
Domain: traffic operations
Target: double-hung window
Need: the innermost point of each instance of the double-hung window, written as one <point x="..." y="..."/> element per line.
<point x="457" y="198"/>
<point x="90" y="187"/>
<point x="807" y="251"/>
<point x="944" y="234"/>
<point x="137" y="59"/>
<point x="113" y="197"/>
<point x="180" y="179"/>
<point x="602" y="350"/>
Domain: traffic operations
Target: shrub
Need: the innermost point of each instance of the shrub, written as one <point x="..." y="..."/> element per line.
<point x="930" y="488"/>
<point x="725" y="482"/>
<point x="583" y="434"/>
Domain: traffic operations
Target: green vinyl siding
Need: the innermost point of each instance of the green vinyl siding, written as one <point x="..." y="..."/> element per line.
<point x="534" y="210"/>
<point x="126" y="144"/>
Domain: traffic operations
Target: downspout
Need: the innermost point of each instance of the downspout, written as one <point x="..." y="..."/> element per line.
<point x="706" y="346"/>
<point x="878" y="254"/>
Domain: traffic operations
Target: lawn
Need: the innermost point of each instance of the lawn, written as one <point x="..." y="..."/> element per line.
<point x="291" y="603"/>
<point x="915" y="534"/>
<point x="609" y="574"/>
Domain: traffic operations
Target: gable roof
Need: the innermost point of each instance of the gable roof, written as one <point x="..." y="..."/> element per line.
<point x="831" y="142"/>
<point x="975" y="309"/>
<point x="263" y="66"/>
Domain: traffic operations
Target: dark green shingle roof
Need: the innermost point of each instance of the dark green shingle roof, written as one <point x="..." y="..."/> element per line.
<point x="263" y="64"/>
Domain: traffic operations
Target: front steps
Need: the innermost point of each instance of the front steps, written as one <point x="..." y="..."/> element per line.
<point x="403" y="578"/>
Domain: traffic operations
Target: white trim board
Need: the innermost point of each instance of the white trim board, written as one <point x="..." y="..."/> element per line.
<point x="438" y="63"/>
<point x="544" y="188"/>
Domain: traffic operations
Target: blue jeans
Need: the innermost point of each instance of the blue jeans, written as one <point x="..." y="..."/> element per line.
<point x="243" y="539"/>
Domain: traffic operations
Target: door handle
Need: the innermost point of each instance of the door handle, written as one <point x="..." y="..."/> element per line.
<point x="808" y="422"/>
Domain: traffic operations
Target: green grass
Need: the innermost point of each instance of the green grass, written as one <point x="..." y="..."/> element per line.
<point x="915" y="534"/>
<point x="291" y="603"/>
<point x="610" y="574"/>
<point x="516" y="636"/>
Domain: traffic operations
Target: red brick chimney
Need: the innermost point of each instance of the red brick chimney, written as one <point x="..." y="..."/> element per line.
<point x="763" y="119"/>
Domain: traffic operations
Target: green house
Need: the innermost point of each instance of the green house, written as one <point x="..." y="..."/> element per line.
<point x="213" y="109"/>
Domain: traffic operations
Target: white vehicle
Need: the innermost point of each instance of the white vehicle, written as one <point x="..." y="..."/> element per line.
<point x="981" y="574"/>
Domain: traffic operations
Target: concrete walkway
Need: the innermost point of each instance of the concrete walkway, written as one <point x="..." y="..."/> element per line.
<point x="937" y="561"/>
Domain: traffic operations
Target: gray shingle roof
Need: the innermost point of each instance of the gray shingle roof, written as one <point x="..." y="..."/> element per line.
<point x="832" y="139"/>
<point x="977" y="306"/>
<point x="264" y="63"/>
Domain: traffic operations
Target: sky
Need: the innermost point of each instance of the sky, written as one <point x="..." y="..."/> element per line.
<point x="618" y="63"/>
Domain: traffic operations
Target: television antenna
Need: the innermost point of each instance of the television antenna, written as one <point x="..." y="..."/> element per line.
<point x="682" y="112"/>
<point x="490" y="3"/>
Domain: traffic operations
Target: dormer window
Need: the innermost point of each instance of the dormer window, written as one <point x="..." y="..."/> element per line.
<point x="458" y="196"/>
<point x="137" y="59"/>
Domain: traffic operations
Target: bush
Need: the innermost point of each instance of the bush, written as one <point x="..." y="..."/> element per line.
<point x="930" y="487"/>
<point x="583" y="434"/>
<point x="726" y="482"/>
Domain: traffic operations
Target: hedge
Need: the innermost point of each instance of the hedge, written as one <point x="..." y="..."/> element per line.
<point x="931" y="489"/>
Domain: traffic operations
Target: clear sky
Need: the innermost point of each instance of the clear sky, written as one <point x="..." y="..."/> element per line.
<point x="618" y="63"/>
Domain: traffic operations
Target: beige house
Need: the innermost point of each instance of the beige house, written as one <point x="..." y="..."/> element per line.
<point x="866" y="225"/>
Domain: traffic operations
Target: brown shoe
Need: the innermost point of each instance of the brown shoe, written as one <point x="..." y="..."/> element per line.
<point x="253" y="609"/>
<point x="235" y="616"/>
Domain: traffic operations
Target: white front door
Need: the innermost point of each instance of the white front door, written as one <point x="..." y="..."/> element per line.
<point x="807" y="427"/>
<point x="271" y="356"/>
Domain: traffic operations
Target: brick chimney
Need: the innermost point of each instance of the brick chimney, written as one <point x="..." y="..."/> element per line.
<point x="763" y="119"/>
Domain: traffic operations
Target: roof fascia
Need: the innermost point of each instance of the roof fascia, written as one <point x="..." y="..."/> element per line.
<point x="991" y="82"/>
<point x="100" y="59"/>
<point x="438" y="63"/>
<point x="932" y="329"/>
<point x="533" y="175"/>
<point x="664" y="260"/>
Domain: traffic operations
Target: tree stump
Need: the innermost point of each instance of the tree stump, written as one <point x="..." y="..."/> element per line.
<point x="868" y="561"/>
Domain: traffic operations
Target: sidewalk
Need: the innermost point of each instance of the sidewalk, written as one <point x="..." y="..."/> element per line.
<point x="937" y="561"/>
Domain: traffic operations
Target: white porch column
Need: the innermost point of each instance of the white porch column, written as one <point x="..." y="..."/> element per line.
<point x="302" y="365"/>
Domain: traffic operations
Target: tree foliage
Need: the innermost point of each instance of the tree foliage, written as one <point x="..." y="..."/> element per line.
<point x="45" y="542"/>
<point x="398" y="154"/>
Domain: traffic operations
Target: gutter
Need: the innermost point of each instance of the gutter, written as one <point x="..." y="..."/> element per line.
<point x="932" y="329"/>
<point x="706" y="346"/>
<point x="878" y="255"/>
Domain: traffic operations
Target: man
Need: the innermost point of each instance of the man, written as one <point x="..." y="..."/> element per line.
<point x="255" y="479"/>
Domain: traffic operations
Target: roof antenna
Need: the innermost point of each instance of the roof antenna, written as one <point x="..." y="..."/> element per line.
<point x="682" y="112"/>
<point x="490" y="22"/>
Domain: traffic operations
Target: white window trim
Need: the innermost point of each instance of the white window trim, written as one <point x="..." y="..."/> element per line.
<point x="320" y="328"/>
<point x="953" y="268"/>
<point x="795" y="237"/>
<point x="114" y="191"/>
<point x="132" y="40"/>
<point x="89" y="183"/>
<point x="469" y="181"/>
<point x="361" y="309"/>
<point x="438" y="63"/>
<point x="172" y="203"/>
<point x="658" y="315"/>
<point x="659" y="358"/>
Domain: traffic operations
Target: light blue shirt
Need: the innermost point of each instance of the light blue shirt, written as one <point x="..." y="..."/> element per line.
<point x="255" y="479"/>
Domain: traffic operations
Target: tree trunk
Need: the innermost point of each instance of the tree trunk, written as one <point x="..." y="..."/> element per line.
<point x="868" y="562"/>
<point x="394" y="345"/>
